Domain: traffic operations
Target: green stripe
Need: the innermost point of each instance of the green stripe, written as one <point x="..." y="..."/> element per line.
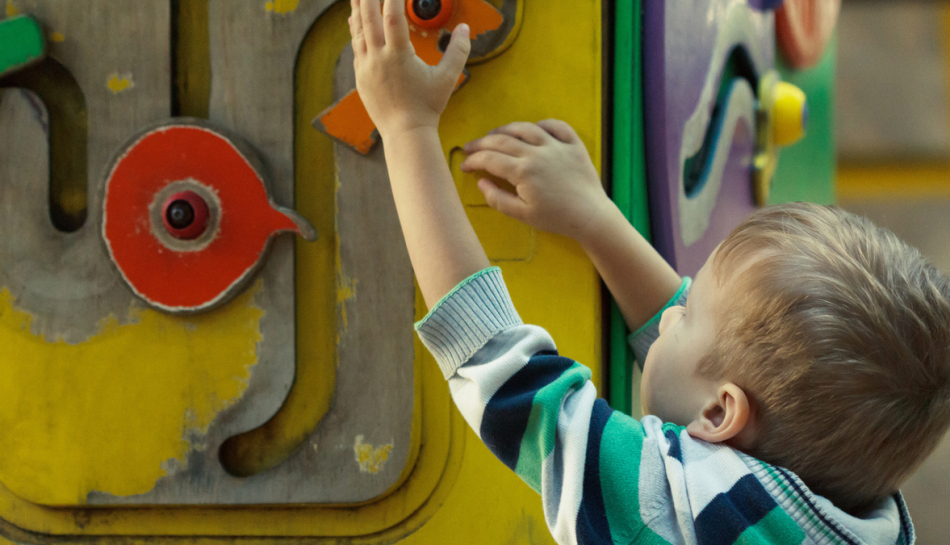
<point x="538" y="441"/>
<point x="621" y="446"/>
<point x="799" y="503"/>
<point x="776" y="527"/>
<point x="684" y="285"/>
<point x="21" y="43"/>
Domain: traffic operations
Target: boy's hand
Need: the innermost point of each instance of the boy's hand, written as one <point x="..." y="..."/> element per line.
<point x="558" y="188"/>
<point x="400" y="91"/>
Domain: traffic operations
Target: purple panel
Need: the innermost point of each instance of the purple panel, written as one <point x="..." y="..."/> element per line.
<point x="734" y="203"/>
<point x="680" y="59"/>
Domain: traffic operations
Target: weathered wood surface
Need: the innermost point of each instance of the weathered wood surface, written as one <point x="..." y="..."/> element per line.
<point x="65" y="280"/>
<point x="252" y="93"/>
<point x="361" y="447"/>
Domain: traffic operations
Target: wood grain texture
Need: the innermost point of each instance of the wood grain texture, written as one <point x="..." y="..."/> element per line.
<point x="362" y="445"/>
<point x="44" y="267"/>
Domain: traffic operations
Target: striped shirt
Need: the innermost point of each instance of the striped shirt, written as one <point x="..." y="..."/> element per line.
<point x="603" y="476"/>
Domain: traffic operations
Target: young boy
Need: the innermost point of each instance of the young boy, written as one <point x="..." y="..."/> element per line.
<point x="804" y="378"/>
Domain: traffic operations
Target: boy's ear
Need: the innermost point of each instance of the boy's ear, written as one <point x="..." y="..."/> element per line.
<point x="724" y="417"/>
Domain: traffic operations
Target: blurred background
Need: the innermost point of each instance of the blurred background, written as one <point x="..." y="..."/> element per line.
<point x="893" y="142"/>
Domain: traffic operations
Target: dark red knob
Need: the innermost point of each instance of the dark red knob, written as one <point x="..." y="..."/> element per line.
<point x="185" y="215"/>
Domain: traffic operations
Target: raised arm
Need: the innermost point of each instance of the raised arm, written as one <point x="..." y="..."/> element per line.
<point x="405" y="98"/>
<point x="559" y="190"/>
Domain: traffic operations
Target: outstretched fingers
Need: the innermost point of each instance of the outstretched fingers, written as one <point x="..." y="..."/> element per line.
<point x="356" y="29"/>
<point x="493" y="162"/>
<point x="372" y="21"/>
<point x="527" y="132"/>
<point x="395" y="26"/>
<point x="560" y="130"/>
<point x="503" y="143"/>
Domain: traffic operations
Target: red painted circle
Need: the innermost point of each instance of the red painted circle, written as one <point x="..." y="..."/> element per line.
<point x="436" y="22"/>
<point x="198" y="222"/>
<point x="803" y="28"/>
<point x="186" y="280"/>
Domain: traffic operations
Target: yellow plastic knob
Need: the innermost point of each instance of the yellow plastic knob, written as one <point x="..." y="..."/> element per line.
<point x="789" y="114"/>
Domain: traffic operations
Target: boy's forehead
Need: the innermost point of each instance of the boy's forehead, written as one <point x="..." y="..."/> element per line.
<point x="715" y="279"/>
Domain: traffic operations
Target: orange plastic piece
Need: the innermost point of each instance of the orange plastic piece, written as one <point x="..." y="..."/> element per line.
<point x="803" y="29"/>
<point x="348" y="121"/>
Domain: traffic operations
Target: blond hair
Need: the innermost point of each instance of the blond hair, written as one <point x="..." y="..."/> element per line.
<point x="840" y="334"/>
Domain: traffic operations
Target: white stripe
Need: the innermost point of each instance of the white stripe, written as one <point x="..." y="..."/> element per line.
<point x="711" y="470"/>
<point x="563" y="502"/>
<point x="474" y="384"/>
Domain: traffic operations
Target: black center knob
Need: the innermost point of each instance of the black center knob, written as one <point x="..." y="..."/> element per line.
<point x="426" y="9"/>
<point x="180" y="214"/>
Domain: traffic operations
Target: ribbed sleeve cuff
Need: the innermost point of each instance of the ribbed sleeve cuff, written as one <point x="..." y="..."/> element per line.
<point x="467" y="318"/>
<point x="642" y="339"/>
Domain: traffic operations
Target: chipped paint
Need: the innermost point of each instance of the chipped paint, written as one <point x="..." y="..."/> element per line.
<point x="12" y="10"/>
<point x="67" y="408"/>
<point x="371" y="459"/>
<point x="118" y="84"/>
<point x="282" y="7"/>
<point x="57" y="37"/>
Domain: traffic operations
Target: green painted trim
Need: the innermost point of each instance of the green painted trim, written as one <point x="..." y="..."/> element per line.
<point x="21" y="43"/>
<point x="629" y="175"/>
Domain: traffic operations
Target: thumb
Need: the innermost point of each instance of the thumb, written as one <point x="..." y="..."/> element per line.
<point x="503" y="201"/>
<point x="453" y="61"/>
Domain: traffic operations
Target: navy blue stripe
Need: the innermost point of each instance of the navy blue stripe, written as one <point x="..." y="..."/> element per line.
<point x="592" y="526"/>
<point x="675" y="451"/>
<point x="506" y="415"/>
<point x="811" y="506"/>
<point x="728" y="515"/>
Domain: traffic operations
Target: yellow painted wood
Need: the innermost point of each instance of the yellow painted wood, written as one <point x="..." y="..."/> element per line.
<point x="886" y="181"/>
<point x="456" y="491"/>
<point x="111" y="414"/>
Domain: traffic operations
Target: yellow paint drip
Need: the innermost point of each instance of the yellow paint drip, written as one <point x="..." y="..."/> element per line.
<point x="371" y="459"/>
<point x="282" y="6"/>
<point x="110" y="413"/>
<point x="12" y="9"/>
<point x="57" y="37"/>
<point x="346" y="290"/>
<point x="117" y="83"/>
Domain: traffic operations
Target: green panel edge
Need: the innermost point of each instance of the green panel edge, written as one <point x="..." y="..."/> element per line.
<point x="807" y="169"/>
<point x="629" y="175"/>
<point x="21" y="43"/>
